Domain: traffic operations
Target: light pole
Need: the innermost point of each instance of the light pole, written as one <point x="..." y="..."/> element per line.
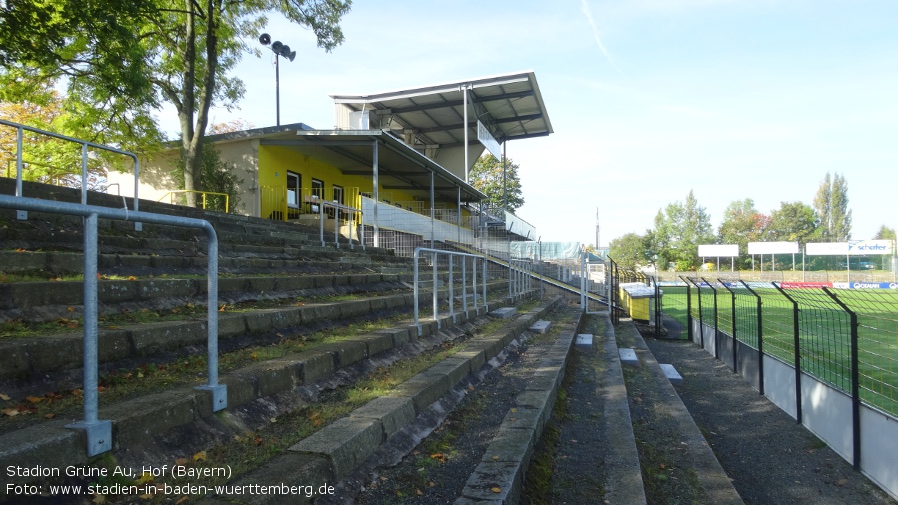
<point x="278" y="49"/>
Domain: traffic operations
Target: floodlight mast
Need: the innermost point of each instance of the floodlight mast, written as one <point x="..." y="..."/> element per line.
<point x="279" y="49"/>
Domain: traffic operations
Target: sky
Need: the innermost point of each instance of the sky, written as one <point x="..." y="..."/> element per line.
<point x="649" y="99"/>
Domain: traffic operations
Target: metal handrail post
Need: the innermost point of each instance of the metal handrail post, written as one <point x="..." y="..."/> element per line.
<point x="464" y="286"/>
<point x="451" y="291"/>
<point x="21" y="215"/>
<point x="435" y="280"/>
<point x="98" y="434"/>
<point x="417" y="292"/>
<point x="483" y="260"/>
<point x="474" y="281"/>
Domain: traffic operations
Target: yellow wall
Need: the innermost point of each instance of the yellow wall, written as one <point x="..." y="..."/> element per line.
<point x="276" y="161"/>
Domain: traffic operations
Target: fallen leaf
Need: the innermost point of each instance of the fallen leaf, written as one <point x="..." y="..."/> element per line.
<point x="34" y="399"/>
<point x="4" y="397"/>
<point x="495" y="458"/>
<point x="49" y="416"/>
<point x="11" y="412"/>
<point x="496" y="489"/>
<point x="132" y="278"/>
<point x="258" y="440"/>
<point x="201" y="456"/>
<point x="419" y="492"/>
<point x="841" y="482"/>
<point x="181" y="461"/>
<point x="70" y="309"/>
<point x="145" y="477"/>
<point x="182" y="500"/>
<point x="99" y="499"/>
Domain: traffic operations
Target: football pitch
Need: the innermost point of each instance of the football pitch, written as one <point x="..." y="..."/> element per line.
<point x="824" y="330"/>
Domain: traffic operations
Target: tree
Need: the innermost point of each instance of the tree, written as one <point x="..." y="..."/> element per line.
<point x="793" y="222"/>
<point x="678" y="232"/>
<point x="45" y="159"/>
<point x="121" y="60"/>
<point x="831" y="205"/>
<point x="488" y="177"/>
<point x="742" y="223"/>
<point x="885" y="233"/>
<point x="628" y="251"/>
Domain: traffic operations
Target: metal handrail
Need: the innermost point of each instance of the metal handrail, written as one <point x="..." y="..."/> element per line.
<point x="99" y="432"/>
<point x="464" y="290"/>
<point x="171" y="195"/>
<point x="337" y="208"/>
<point x="22" y="214"/>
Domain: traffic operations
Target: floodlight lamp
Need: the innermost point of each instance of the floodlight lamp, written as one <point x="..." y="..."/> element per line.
<point x="265" y="39"/>
<point x="276" y="46"/>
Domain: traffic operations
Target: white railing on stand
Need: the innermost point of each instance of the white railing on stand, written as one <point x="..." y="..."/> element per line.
<point x="435" y="253"/>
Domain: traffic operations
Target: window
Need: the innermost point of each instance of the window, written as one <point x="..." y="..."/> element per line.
<point x="294" y="183"/>
<point x="338" y="198"/>
<point x="317" y="193"/>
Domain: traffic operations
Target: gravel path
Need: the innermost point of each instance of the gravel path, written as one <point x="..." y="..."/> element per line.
<point x="771" y="458"/>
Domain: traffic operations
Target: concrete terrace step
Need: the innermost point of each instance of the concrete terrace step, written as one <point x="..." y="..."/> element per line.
<point x="62" y="263"/>
<point x="137" y="422"/>
<point x="34" y="301"/>
<point x="334" y="451"/>
<point x="32" y="356"/>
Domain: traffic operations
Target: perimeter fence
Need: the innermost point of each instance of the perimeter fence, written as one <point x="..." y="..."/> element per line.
<point x="827" y="356"/>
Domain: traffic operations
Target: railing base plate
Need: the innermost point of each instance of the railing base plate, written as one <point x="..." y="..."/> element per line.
<point x="99" y="435"/>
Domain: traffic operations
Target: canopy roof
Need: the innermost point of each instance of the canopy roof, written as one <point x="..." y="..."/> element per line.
<point x="509" y="105"/>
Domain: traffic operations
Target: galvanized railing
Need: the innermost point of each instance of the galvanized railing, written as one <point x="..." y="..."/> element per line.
<point x="520" y="276"/>
<point x="22" y="214"/>
<point x="338" y="207"/>
<point x="435" y="253"/>
<point x="171" y="197"/>
<point x="99" y="432"/>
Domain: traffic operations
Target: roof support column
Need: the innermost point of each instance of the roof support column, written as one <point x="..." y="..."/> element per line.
<point x="464" y="94"/>
<point x="458" y="215"/>
<point x="376" y="194"/>
<point x="432" y="218"/>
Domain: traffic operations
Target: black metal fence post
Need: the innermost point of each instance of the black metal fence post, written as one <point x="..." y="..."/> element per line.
<point x="855" y="380"/>
<point x="716" y="316"/>
<point x="732" y="324"/>
<point x="797" y="362"/>
<point x="760" y="339"/>
<point x="688" y="310"/>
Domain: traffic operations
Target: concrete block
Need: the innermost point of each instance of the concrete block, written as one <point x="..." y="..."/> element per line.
<point x="584" y="339"/>
<point x="671" y="373"/>
<point x="317" y="365"/>
<point x="491" y="475"/>
<point x="628" y="356"/>
<point x="504" y="312"/>
<point x="540" y="326"/>
<point x="149" y="415"/>
<point x="393" y="413"/>
<point x="376" y="342"/>
<point x="530" y="419"/>
<point x="400" y="336"/>
<point x="512" y="446"/>
<point x="346" y="352"/>
<point x="476" y="357"/>
<point x="345" y="443"/>
<point x="55" y="353"/>
<point x="423" y="388"/>
<point x="456" y="368"/>
<point x="290" y="469"/>
<point x="154" y="337"/>
<point x="13" y="359"/>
